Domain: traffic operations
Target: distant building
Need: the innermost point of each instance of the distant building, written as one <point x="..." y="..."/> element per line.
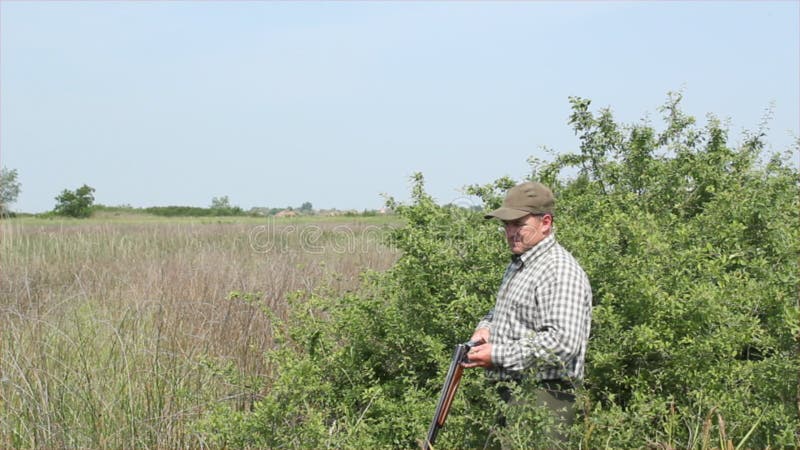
<point x="286" y="213"/>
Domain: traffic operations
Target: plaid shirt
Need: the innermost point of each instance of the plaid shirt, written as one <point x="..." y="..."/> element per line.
<point x="542" y="316"/>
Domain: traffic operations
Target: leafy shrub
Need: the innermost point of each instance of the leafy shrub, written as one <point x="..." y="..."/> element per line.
<point x="691" y="247"/>
<point x="346" y="364"/>
<point x="77" y="203"/>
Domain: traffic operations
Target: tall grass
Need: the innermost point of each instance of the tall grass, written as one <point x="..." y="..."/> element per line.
<point x="117" y="334"/>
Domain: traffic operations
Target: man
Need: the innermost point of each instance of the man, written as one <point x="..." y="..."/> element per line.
<point x="539" y="326"/>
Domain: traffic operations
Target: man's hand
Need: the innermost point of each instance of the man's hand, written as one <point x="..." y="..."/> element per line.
<point x="479" y="356"/>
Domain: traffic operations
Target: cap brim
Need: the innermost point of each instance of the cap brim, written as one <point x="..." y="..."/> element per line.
<point x="507" y="214"/>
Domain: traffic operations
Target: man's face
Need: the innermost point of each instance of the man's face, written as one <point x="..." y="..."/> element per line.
<point x="524" y="233"/>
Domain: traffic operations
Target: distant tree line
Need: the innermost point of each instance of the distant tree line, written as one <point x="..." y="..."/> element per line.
<point x="79" y="203"/>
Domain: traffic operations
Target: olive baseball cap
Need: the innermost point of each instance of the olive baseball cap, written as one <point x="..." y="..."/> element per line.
<point x="523" y="199"/>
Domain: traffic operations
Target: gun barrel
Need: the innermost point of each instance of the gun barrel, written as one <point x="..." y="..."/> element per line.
<point x="449" y="388"/>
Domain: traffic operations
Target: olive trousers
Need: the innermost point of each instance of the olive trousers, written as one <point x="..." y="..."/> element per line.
<point x="556" y="396"/>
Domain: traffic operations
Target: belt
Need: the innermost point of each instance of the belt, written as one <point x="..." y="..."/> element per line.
<point x="551" y="385"/>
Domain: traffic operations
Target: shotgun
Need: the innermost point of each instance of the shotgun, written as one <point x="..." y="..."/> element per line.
<point x="448" y="391"/>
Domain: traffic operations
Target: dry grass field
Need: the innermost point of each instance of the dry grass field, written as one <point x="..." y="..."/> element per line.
<point x="119" y="332"/>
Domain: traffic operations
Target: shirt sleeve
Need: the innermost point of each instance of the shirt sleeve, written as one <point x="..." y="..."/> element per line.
<point x="486" y="322"/>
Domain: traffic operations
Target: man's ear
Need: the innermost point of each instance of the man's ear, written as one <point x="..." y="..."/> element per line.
<point x="547" y="223"/>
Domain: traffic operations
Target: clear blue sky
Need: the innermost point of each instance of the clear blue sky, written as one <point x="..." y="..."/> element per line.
<point x="278" y="103"/>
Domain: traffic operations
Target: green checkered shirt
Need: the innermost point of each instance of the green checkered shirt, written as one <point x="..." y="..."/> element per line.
<point x="541" y="320"/>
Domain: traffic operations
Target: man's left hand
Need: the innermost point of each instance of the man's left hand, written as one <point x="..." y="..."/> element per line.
<point x="479" y="356"/>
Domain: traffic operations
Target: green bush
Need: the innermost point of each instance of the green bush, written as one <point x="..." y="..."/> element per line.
<point x="692" y="249"/>
<point x="691" y="246"/>
<point x="77" y="203"/>
<point x="360" y="370"/>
